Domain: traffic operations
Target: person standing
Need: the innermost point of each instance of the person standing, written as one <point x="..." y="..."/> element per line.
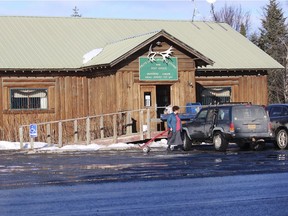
<point x="175" y="127"/>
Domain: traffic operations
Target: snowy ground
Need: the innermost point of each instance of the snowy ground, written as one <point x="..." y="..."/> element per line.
<point x="44" y="147"/>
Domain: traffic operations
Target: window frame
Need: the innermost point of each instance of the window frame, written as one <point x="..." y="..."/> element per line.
<point x="29" y="99"/>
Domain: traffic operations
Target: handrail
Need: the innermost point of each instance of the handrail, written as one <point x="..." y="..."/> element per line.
<point x="125" y="121"/>
<point x="82" y="118"/>
<point x="109" y="125"/>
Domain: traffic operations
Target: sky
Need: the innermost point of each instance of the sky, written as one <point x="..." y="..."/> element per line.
<point x="133" y="9"/>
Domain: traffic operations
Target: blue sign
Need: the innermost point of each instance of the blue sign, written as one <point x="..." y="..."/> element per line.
<point x="33" y="130"/>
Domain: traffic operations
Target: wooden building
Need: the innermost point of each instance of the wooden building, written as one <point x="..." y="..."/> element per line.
<point x="63" y="68"/>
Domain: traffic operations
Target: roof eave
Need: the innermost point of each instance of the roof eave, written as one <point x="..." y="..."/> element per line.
<point x="163" y="33"/>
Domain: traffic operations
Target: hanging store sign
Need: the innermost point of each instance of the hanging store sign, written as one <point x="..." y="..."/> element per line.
<point x="158" y="69"/>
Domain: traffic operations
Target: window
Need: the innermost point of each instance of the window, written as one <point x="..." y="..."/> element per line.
<point x="223" y="113"/>
<point x="285" y="111"/>
<point x="147" y="99"/>
<point x="202" y="115"/>
<point x="211" y="115"/>
<point x="248" y="113"/>
<point x="276" y="111"/>
<point x="29" y="99"/>
<point x="215" y="95"/>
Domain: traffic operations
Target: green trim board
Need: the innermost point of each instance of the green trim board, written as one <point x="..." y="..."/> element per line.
<point x="158" y="70"/>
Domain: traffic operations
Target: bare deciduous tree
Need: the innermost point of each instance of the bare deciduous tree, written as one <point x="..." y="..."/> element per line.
<point x="234" y="16"/>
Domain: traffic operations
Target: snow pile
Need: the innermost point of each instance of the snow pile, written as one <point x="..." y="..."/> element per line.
<point x="91" y="54"/>
<point x="5" y="145"/>
<point x="40" y="146"/>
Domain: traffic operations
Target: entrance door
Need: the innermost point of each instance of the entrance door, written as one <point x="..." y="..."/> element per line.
<point x="148" y="96"/>
<point x="148" y="101"/>
<point x="152" y="97"/>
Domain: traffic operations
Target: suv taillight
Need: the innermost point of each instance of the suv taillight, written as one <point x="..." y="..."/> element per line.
<point x="232" y="128"/>
<point x="270" y="127"/>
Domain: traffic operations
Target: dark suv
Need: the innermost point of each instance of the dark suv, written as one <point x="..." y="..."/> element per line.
<point x="246" y="125"/>
<point x="279" y="120"/>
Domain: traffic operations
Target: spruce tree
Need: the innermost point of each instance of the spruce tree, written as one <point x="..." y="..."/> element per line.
<point x="272" y="32"/>
<point x="243" y="30"/>
<point x="76" y="12"/>
<point x="254" y="38"/>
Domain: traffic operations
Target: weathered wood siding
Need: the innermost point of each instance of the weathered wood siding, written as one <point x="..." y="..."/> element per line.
<point x="11" y="119"/>
<point x="244" y="88"/>
<point x="182" y="91"/>
<point x="99" y="92"/>
<point x="71" y="97"/>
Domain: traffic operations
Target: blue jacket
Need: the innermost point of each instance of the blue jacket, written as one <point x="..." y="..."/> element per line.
<point x="172" y="121"/>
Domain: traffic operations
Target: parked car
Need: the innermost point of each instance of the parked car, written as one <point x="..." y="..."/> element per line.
<point x="279" y="122"/>
<point x="247" y="125"/>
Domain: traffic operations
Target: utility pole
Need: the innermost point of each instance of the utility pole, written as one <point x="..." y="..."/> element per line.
<point x="212" y="11"/>
<point x="194" y="10"/>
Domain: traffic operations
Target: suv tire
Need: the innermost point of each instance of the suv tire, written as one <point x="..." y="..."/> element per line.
<point x="187" y="142"/>
<point x="220" y="143"/>
<point x="282" y="139"/>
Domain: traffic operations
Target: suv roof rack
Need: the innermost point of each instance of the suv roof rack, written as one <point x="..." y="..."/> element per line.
<point x="236" y="103"/>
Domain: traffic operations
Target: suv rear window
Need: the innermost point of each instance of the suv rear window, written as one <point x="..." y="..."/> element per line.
<point x="251" y="112"/>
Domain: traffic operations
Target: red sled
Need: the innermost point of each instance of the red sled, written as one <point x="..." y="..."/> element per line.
<point x="146" y="147"/>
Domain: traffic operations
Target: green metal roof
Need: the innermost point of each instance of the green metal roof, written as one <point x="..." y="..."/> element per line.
<point x="60" y="43"/>
<point x="115" y="50"/>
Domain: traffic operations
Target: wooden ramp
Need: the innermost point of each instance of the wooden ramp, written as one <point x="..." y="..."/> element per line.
<point x="122" y="127"/>
<point x="132" y="138"/>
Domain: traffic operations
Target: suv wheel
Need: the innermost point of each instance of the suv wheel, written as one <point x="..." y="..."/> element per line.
<point x="282" y="139"/>
<point x="187" y="142"/>
<point x="220" y="143"/>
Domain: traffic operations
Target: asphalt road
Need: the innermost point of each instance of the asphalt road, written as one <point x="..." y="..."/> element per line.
<point x="200" y="182"/>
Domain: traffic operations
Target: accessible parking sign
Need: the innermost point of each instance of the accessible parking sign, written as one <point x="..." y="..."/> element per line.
<point x="33" y="130"/>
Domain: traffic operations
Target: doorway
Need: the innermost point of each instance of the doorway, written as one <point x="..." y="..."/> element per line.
<point x="156" y="96"/>
<point x="163" y="98"/>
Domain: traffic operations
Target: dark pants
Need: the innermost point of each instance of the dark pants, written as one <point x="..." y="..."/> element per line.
<point x="175" y="139"/>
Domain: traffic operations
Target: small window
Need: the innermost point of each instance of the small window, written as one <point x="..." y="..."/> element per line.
<point x="202" y="115"/>
<point x="211" y="115"/>
<point x="223" y="114"/>
<point x="24" y="99"/>
<point x="147" y="99"/>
